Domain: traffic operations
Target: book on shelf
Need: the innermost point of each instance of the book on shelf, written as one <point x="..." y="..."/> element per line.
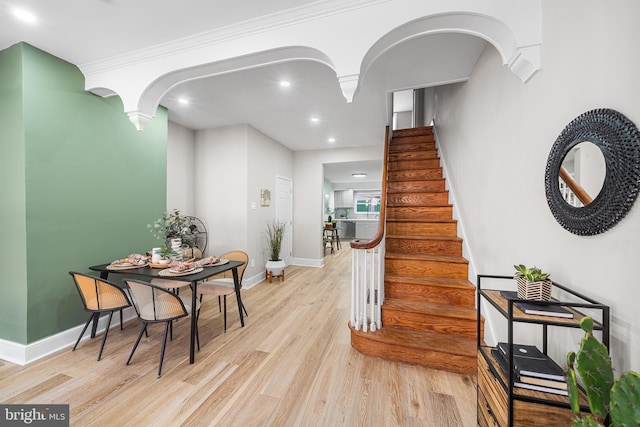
<point x="540" y="388"/>
<point x="518" y="378"/>
<point x="530" y="362"/>
<point x="537" y="309"/>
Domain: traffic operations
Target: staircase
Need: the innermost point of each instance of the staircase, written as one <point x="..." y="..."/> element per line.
<point x="428" y="316"/>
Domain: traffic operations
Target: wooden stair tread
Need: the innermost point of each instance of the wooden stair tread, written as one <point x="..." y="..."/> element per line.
<point x="433" y="258"/>
<point x="420" y="280"/>
<point x="425" y="130"/>
<point x="425" y="341"/>
<point x="434" y="238"/>
<point x="421" y="220"/>
<point x="431" y="309"/>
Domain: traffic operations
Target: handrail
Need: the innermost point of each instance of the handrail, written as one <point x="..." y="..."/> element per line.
<point x="375" y="241"/>
<point x="580" y="192"/>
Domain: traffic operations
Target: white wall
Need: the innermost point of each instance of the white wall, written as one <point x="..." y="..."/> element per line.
<point x="496" y="134"/>
<point x="221" y="172"/>
<point x="308" y="179"/>
<point x="267" y="159"/>
<point x="180" y="176"/>
<point x="232" y="165"/>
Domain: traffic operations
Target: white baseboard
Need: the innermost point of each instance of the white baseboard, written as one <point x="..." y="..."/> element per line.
<point x="22" y="354"/>
<point x="308" y="262"/>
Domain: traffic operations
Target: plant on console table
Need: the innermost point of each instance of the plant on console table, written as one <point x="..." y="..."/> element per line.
<point x="533" y="284"/>
<point x="274" y="236"/>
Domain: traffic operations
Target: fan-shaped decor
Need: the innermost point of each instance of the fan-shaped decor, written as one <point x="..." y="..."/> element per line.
<point x="619" y="140"/>
<point x="197" y="236"/>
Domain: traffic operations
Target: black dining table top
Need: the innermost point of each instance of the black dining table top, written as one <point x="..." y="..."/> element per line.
<point x="147" y="271"/>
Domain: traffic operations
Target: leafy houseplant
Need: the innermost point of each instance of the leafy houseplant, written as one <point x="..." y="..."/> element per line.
<point x="165" y="253"/>
<point x="172" y="225"/>
<point x="274" y="235"/>
<point x="533" y="284"/>
<point x="619" y="399"/>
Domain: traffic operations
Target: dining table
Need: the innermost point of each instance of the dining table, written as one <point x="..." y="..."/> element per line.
<point x="191" y="279"/>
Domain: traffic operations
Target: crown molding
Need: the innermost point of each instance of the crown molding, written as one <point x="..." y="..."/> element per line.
<point x="294" y="16"/>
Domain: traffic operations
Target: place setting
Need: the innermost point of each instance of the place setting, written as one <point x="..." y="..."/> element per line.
<point x="183" y="268"/>
<point x="132" y="261"/>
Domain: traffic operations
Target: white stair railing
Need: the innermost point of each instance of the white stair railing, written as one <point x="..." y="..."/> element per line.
<point x="367" y="288"/>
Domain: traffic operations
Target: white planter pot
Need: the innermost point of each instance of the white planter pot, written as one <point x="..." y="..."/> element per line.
<point x="275" y="267"/>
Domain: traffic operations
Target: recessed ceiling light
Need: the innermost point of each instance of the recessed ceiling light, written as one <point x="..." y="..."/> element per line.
<point x="331" y="140"/>
<point x="315" y="120"/>
<point x="25" y="15"/>
<point x="285" y="83"/>
<point x="359" y="175"/>
<point x="183" y="101"/>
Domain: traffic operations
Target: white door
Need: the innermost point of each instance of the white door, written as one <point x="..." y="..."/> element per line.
<point x="284" y="208"/>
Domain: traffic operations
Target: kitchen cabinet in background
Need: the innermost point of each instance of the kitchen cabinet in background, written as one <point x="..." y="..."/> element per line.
<point x="343" y="199"/>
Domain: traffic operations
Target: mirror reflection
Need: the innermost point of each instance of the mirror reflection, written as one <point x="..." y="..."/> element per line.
<point x="582" y="174"/>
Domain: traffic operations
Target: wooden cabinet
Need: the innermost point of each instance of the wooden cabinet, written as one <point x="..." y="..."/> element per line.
<point x="500" y="403"/>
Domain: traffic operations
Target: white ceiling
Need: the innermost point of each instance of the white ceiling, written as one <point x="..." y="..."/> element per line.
<point x="83" y="31"/>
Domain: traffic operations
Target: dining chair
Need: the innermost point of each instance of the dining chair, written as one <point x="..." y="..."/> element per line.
<point x="99" y="296"/>
<point x="223" y="284"/>
<point x="154" y="304"/>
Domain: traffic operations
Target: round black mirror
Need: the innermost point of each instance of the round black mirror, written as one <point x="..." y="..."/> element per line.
<point x="618" y="140"/>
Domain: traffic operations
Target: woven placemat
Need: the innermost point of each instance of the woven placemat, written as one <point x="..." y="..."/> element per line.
<point x="169" y="273"/>
<point x="222" y="261"/>
<point x="124" y="267"/>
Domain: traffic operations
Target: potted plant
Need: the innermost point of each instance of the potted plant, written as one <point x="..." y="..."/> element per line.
<point x="618" y="400"/>
<point x="165" y="253"/>
<point x="173" y="228"/>
<point x="533" y="284"/>
<point x="274" y="236"/>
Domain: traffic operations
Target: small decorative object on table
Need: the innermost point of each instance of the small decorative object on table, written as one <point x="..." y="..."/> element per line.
<point x="533" y="284"/>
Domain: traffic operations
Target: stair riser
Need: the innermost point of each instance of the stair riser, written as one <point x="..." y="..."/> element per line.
<point x="411" y="146"/>
<point x="432" y="359"/>
<point x="416" y="174"/>
<point x="413" y="155"/>
<point x="426" y="268"/>
<point x="440" y="324"/>
<point x="420" y="212"/>
<point x="418" y="199"/>
<point x="430" y="293"/>
<point x="414" y="164"/>
<point x="422" y="229"/>
<point x="412" y="132"/>
<point x="423" y="247"/>
<point x="416" y="186"/>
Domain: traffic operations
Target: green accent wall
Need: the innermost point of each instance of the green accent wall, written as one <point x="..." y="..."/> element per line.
<point x="13" y="244"/>
<point x="90" y="185"/>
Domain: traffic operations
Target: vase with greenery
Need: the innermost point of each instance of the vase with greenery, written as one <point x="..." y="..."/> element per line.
<point x="173" y="225"/>
<point x="165" y="254"/>
<point x="274" y="237"/>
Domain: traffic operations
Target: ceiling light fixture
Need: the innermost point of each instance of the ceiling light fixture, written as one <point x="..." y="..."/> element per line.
<point x="314" y="120"/>
<point x="359" y="175"/>
<point x="285" y="83"/>
<point x="331" y="140"/>
<point x="25" y="15"/>
<point x="183" y="101"/>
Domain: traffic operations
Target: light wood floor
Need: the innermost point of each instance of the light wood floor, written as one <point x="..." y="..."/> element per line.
<point x="291" y="365"/>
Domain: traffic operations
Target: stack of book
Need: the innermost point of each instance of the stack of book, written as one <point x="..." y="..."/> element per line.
<point x="537" y="309"/>
<point x="532" y="369"/>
